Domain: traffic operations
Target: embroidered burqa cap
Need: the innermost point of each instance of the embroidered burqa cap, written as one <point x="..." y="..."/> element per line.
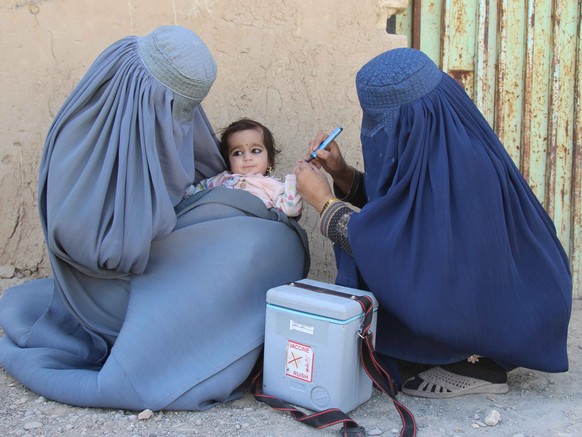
<point x="453" y="242"/>
<point x="396" y="77"/>
<point x="389" y="80"/>
<point x="179" y="59"/>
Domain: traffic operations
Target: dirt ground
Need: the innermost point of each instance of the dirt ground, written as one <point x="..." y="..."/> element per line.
<point x="537" y="404"/>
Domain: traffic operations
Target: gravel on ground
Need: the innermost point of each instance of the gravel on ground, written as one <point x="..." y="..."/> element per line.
<point x="537" y="405"/>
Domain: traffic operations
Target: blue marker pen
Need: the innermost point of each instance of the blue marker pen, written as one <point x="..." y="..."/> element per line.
<point x="332" y="136"/>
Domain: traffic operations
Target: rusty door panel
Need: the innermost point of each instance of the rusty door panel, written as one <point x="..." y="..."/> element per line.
<point x="560" y="165"/>
<point x="537" y="78"/>
<point x="483" y="95"/>
<point x="576" y="209"/>
<point x="519" y="60"/>
<point x="458" y="54"/>
<point x="510" y="64"/>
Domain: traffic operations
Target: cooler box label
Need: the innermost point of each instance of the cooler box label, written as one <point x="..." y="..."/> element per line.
<point x="299" y="361"/>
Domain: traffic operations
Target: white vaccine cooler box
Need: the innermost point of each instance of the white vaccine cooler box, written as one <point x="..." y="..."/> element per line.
<point x="312" y="346"/>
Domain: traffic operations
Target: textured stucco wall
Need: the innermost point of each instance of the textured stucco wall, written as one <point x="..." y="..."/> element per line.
<point x="288" y="64"/>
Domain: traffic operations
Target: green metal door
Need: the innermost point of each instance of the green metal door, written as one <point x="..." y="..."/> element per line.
<point x="520" y="61"/>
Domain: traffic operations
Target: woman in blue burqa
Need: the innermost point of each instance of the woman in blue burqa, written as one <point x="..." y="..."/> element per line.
<point x="465" y="262"/>
<point x="154" y="302"/>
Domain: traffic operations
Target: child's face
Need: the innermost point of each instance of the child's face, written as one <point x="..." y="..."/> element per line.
<point x="247" y="153"/>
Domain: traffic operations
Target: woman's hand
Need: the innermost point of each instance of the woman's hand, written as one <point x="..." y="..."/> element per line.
<point x="333" y="162"/>
<point x="312" y="184"/>
<point x="330" y="158"/>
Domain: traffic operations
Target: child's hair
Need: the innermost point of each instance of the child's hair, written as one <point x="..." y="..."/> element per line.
<point x="246" y="124"/>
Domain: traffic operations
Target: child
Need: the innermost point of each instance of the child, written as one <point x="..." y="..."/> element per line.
<point x="248" y="149"/>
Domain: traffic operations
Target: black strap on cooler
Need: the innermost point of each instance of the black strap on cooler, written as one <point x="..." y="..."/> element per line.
<point x="379" y="375"/>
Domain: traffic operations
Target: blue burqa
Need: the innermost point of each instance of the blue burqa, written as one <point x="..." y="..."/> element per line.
<point x="459" y="252"/>
<point x="154" y="302"/>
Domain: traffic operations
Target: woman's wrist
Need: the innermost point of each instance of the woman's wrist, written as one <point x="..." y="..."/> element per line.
<point x="333" y="224"/>
<point x="327" y="204"/>
<point x="344" y="179"/>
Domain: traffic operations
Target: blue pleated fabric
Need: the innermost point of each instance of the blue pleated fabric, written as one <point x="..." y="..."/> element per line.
<point x="452" y="241"/>
<point x="151" y="304"/>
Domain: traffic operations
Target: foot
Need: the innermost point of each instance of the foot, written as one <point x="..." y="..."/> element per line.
<point x="457" y="379"/>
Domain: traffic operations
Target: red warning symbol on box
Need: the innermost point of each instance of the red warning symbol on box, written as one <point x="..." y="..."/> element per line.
<point x="299" y="361"/>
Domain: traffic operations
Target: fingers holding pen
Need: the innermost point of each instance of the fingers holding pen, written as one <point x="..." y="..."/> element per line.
<point x="316" y="141"/>
<point x="312" y="148"/>
<point x="322" y="143"/>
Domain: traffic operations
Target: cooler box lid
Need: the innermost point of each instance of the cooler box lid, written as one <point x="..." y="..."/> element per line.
<point x="320" y="304"/>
